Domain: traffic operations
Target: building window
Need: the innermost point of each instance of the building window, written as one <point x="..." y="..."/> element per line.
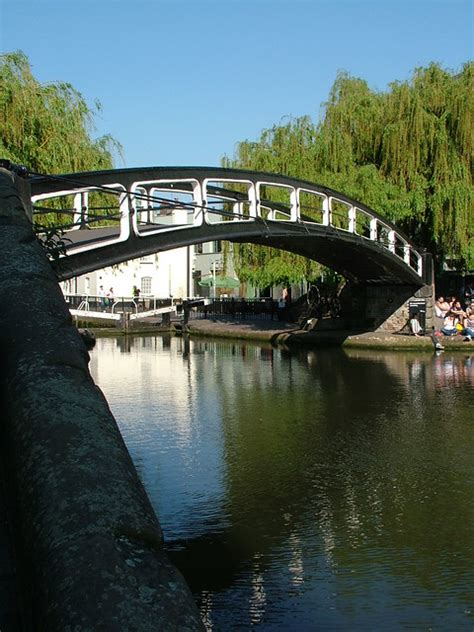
<point x="198" y="249"/>
<point x="217" y="246"/>
<point x="146" y="285"/>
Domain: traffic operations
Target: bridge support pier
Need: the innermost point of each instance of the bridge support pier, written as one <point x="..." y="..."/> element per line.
<point x="89" y="546"/>
<point x="385" y="307"/>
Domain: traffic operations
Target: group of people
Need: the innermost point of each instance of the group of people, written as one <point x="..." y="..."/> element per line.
<point x="106" y="298"/>
<point x="456" y="318"/>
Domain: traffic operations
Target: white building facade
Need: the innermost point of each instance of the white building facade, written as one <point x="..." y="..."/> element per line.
<point x="174" y="273"/>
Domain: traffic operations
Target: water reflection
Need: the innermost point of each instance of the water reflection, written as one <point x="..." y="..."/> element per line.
<point x="301" y="487"/>
<point x="258" y="598"/>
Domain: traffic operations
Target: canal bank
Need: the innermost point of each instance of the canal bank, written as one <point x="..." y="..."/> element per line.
<point x="289" y="334"/>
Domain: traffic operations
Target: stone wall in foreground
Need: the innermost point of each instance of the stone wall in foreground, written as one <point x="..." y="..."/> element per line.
<point x="89" y="546"/>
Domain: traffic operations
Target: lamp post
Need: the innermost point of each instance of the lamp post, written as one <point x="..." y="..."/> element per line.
<point x="214" y="279"/>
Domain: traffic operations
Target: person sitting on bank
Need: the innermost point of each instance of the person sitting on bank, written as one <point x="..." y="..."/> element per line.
<point x="468" y="323"/>
<point x="449" y="324"/>
<point x="469" y="295"/>
<point x="415" y="326"/>
<point x="441" y="307"/>
<point x="458" y="310"/>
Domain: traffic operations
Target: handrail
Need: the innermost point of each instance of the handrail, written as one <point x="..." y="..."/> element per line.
<point x="217" y="196"/>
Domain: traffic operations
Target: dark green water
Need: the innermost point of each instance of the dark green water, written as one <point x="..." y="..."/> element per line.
<point x="307" y="490"/>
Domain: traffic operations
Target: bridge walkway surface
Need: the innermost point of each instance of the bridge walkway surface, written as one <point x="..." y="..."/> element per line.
<point x="217" y="204"/>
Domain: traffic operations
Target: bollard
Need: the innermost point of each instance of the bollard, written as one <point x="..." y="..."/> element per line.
<point x="89" y="546"/>
<point x="124" y="322"/>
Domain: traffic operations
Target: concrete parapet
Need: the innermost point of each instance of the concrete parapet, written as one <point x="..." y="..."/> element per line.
<point x="89" y="546"/>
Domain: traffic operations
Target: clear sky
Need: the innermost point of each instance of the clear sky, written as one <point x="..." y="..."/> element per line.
<point x="181" y="82"/>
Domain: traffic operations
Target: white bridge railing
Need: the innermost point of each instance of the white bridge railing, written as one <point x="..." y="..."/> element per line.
<point x="149" y="205"/>
<point x="95" y="306"/>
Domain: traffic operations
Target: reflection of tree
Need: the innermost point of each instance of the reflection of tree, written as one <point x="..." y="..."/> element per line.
<point x="346" y="447"/>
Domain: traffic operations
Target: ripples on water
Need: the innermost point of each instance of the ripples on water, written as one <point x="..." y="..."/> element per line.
<point x="311" y="490"/>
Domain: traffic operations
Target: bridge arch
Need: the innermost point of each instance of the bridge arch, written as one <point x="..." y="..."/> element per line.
<point x="222" y="204"/>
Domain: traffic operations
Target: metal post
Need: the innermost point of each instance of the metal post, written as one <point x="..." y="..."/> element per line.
<point x="352" y="219"/>
<point x="214" y="280"/>
<point x="326" y="211"/>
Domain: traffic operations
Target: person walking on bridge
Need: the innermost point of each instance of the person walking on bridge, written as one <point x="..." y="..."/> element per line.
<point x="102" y="301"/>
<point x="136" y="296"/>
<point x="109" y="297"/>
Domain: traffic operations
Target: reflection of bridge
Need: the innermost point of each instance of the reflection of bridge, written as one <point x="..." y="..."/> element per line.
<point x="129" y="210"/>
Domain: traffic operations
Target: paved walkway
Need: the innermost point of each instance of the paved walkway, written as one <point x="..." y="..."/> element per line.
<point x="290" y="334"/>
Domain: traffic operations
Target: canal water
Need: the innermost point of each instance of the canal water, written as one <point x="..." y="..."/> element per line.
<point x="305" y="490"/>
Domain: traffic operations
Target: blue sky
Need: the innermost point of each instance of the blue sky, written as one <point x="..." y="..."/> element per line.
<point x="181" y="82"/>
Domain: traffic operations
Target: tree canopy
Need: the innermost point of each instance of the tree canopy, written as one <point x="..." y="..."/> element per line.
<point x="406" y="152"/>
<point x="48" y="127"/>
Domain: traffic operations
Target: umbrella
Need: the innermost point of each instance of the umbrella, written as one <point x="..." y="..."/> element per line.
<point x="221" y="281"/>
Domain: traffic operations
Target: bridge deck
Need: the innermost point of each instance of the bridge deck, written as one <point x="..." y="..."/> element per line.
<point x="222" y="204"/>
<point x="351" y="255"/>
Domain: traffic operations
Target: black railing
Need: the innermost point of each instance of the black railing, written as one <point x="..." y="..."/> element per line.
<point x="238" y="308"/>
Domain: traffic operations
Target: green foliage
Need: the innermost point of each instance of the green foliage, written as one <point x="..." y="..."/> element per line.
<point x="53" y="242"/>
<point x="405" y="152"/>
<point x="47" y="127"/>
<point x="262" y="266"/>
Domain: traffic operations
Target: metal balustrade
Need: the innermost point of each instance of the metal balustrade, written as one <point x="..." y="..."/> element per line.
<point x="160" y="200"/>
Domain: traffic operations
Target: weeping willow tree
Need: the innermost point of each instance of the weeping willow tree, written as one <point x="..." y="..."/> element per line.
<point x="405" y="152"/>
<point x="48" y="127"/>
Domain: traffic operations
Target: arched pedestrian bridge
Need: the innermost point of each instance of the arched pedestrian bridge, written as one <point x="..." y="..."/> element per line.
<point x="112" y="216"/>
